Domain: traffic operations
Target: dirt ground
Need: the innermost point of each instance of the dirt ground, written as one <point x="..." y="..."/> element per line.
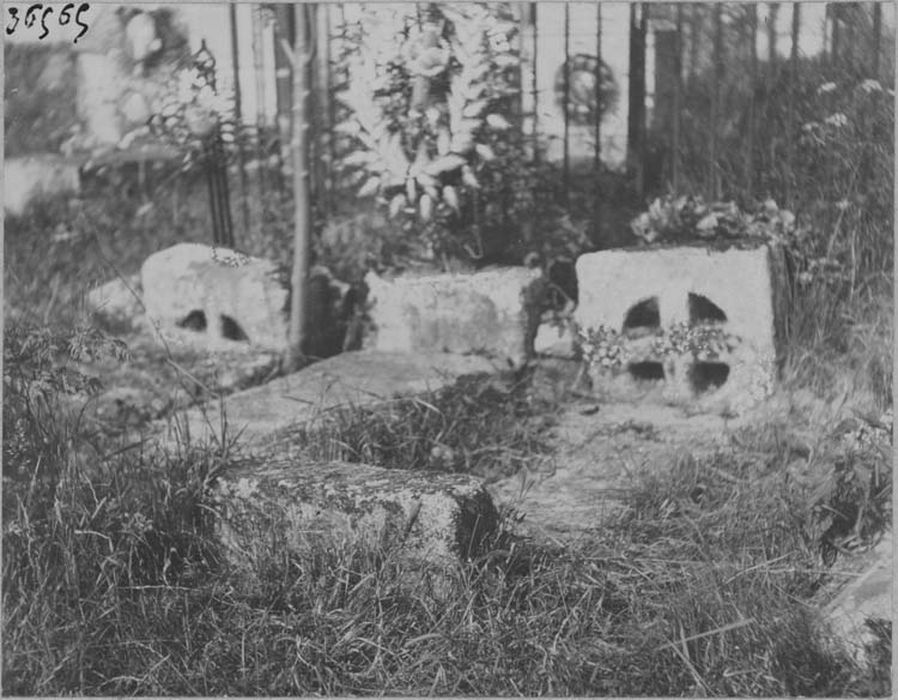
<point x="598" y="448"/>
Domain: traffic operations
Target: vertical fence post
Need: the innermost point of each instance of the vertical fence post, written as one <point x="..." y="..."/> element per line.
<point x="771" y="36"/>
<point x="328" y="113"/>
<point x="636" y="117"/>
<point x="877" y="39"/>
<point x="753" y="81"/>
<point x="695" y="31"/>
<point x="836" y="34"/>
<point x="565" y="102"/>
<point x="714" y="173"/>
<point x="597" y="135"/>
<point x="238" y="118"/>
<point x="597" y="126"/>
<point x="259" y="79"/>
<point x="677" y="105"/>
<point x="793" y="85"/>
<point x="534" y="87"/>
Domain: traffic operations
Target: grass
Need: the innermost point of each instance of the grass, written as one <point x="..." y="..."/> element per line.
<point x="491" y="427"/>
<point x="113" y="584"/>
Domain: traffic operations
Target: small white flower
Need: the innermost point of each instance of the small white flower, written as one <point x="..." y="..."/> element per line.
<point x="842" y="204"/>
<point x="826" y="87"/>
<point x="871" y="85"/>
<point x="837" y="120"/>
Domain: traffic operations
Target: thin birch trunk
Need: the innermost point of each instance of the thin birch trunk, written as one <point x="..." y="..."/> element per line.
<point x="300" y="194"/>
<point x="238" y="118"/>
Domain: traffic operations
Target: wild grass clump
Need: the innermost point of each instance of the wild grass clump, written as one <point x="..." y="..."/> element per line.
<point x="721" y="554"/>
<point x="480" y="425"/>
<point x="93" y="531"/>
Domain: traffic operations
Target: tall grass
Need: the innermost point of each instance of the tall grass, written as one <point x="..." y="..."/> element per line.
<point x="113" y="584"/>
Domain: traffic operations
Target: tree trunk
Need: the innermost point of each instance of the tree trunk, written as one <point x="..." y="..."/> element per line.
<point x="302" y="218"/>
<point x="328" y="111"/>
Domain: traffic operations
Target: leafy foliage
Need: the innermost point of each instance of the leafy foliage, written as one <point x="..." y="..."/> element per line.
<point x="422" y="94"/>
<point x="428" y="101"/>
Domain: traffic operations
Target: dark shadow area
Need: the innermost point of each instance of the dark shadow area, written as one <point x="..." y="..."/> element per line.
<point x="643" y="316"/>
<point x="194" y="321"/>
<point x="231" y="330"/>
<point x="646" y="371"/>
<point x="706" y="376"/>
<point x="703" y="310"/>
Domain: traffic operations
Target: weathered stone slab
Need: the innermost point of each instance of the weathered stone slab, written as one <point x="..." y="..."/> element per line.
<point x="353" y="378"/>
<point x="28" y="177"/>
<point x="276" y="506"/>
<point x="699" y="323"/>
<point x="218" y="294"/>
<point x="495" y="312"/>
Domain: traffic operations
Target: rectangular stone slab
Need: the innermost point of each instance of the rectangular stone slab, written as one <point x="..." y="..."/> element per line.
<point x="352" y="378"/>
<point x="495" y="312"/>
<point x="272" y="505"/>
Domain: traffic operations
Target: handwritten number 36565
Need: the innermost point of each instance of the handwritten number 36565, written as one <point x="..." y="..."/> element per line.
<point x="64" y="17"/>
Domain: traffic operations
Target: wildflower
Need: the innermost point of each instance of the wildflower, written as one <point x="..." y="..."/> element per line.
<point x="842" y="204"/>
<point x="837" y="120"/>
<point x="826" y="87"/>
<point x="871" y="85"/>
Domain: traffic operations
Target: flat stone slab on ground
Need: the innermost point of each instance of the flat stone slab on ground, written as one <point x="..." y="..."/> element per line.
<point x="352" y="378"/>
<point x="271" y="505"/>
